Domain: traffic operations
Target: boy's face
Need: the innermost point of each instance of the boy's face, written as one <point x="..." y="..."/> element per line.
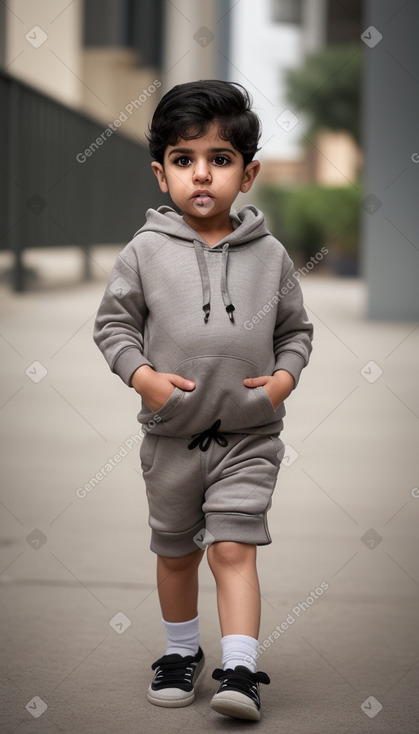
<point x="204" y="176"/>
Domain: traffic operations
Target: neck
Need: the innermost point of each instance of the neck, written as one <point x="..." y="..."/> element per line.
<point x="210" y="230"/>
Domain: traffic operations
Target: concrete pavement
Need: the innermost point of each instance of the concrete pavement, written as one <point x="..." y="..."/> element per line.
<point x="79" y="611"/>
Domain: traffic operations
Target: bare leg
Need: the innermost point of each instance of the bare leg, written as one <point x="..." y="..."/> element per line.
<point x="177" y="580"/>
<point x="238" y="593"/>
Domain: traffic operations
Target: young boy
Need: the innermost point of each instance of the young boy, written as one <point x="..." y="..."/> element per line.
<point x="204" y="319"/>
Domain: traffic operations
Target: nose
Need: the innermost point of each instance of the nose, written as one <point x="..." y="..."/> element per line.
<point x="201" y="170"/>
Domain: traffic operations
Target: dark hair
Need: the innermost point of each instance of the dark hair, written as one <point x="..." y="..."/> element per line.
<point x="188" y="110"/>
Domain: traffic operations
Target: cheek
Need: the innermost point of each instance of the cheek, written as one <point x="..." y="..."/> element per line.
<point x="177" y="181"/>
<point x="234" y="183"/>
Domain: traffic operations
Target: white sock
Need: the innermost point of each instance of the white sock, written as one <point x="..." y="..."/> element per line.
<point x="239" y="650"/>
<point x="182" y="637"/>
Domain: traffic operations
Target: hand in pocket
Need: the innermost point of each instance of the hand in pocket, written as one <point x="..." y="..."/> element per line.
<point x="156" y="388"/>
<point x="277" y="386"/>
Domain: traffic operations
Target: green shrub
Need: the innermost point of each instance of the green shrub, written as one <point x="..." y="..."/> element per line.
<point x="310" y="217"/>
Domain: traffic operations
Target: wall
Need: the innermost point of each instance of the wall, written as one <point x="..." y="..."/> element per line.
<point x="43" y="41"/>
<point x="391" y="147"/>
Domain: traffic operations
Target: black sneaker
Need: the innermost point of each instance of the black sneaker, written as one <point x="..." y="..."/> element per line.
<point x="173" y="684"/>
<point x="238" y="693"/>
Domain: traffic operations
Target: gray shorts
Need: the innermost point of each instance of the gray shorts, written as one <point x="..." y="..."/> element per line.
<point x="197" y="497"/>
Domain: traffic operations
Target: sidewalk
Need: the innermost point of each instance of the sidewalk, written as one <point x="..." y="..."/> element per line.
<point x="339" y="582"/>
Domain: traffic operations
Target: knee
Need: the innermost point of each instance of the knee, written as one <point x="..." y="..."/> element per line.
<point x="229" y="554"/>
<point x="182" y="563"/>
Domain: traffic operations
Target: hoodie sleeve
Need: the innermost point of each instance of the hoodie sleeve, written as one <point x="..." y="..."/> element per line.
<point x="293" y="331"/>
<point x="120" y="321"/>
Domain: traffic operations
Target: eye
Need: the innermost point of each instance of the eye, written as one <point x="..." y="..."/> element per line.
<point x="221" y="160"/>
<point x="182" y="160"/>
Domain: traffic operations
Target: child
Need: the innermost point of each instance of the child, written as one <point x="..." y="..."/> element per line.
<point x="204" y="319"/>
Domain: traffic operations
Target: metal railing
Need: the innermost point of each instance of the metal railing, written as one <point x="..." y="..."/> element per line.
<point x="63" y="180"/>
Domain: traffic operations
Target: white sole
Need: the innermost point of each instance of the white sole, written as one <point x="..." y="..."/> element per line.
<point x="170" y="703"/>
<point x="178" y="700"/>
<point x="233" y="703"/>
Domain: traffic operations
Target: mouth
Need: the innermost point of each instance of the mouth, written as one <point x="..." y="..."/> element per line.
<point x="202" y="198"/>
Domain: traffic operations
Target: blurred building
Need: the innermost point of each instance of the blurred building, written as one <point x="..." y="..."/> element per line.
<point x="79" y="82"/>
<point x="113" y="58"/>
<point x="279" y="36"/>
<point x="99" y="56"/>
<point x="264" y="46"/>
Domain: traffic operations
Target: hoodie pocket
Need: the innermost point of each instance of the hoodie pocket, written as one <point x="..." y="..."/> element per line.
<point x="219" y="394"/>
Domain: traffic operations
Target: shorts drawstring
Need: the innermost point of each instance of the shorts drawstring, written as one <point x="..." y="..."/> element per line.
<point x="203" y="439"/>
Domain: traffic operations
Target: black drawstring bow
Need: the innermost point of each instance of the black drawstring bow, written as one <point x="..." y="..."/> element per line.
<point x="203" y="440"/>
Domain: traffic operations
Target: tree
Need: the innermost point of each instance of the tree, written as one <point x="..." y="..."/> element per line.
<point x="327" y="88"/>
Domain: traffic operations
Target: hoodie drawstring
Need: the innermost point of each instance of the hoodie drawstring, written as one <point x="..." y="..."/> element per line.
<point x="224" y="290"/>
<point x="205" y="281"/>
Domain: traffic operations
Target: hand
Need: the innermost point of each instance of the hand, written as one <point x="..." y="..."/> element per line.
<point x="277" y="386"/>
<point x="156" y="387"/>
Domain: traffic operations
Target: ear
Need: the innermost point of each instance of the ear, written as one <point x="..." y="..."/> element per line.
<point x="158" y="170"/>
<point x="250" y="172"/>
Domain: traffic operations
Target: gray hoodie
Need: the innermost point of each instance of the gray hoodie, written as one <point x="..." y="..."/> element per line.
<point x="214" y="315"/>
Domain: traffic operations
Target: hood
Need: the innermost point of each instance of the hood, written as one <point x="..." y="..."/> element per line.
<point x="249" y="226"/>
<point x="248" y="222"/>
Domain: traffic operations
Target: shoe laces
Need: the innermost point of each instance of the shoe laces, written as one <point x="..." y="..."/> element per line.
<point x="173" y="668"/>
<point x="241" y="679"/>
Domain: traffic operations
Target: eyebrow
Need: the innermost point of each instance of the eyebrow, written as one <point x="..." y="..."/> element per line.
<point x="188" y="151"/>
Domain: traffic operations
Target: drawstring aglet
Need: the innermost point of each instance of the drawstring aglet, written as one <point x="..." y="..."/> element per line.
<point x="230" y="308"/>
<point x="206" y="308"/>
